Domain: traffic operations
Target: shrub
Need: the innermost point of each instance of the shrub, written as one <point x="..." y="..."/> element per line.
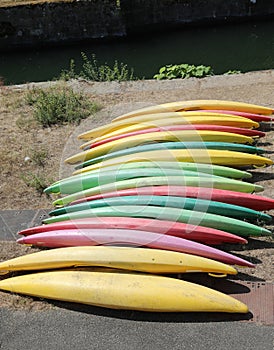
<point x="93" y="71"/>
<point x="59" y="105"/>
<point x="183" y="71"/>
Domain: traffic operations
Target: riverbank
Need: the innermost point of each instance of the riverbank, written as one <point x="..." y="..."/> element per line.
<point x="23" y="140"/>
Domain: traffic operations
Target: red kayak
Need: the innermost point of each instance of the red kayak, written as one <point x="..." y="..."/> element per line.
<point x="231" y="129"/>
<point x="192" y="232"/>
<point x="252" y="116"/>
<point x="247" y="200"/>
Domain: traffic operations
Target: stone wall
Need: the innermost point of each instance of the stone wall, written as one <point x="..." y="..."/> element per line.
<point x="140" y="14"/>
<point x="49" y="23"/>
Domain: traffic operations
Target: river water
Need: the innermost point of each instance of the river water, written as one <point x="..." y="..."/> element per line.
<point x="245" y="46"/>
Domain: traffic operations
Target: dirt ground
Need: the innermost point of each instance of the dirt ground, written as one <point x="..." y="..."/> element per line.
<point x="29" y="151"/>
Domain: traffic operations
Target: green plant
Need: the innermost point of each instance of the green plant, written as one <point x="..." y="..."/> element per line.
<point x="39" y="156"/>
<point x="59" y="105"/>
<point x="183" y="71"/>
<point x="36" y="181"/>
<point x="67" y="74"/>
<point x="92" y="70"/>
<point x="230" y="72"/>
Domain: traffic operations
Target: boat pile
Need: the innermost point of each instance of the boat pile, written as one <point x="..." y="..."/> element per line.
<point x="153" y="191"/>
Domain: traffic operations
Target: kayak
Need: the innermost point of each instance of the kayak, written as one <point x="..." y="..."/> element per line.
<point x="235" y="226"/>
<point x="164" y="119"/>
<point x="197" y="233"/>
<point x="123" y="291"/>
<point x="211" y="169"/>
<point x="134" y="259"/>
<point x="230" y="129"/>
<point x="201" y="205"/>
<point x="94" y="237"/>
<point x="243" y="199"/>
<point x="199" y="105"/>
<point x="217" y="157"/>
<point x="179" y="135"/>
<point x="256" y="117"/>
<point x="174" y="146"/>
<point x="93" y="179"/>
<point x="228" y="146"/>
<point x="193" y="181"/>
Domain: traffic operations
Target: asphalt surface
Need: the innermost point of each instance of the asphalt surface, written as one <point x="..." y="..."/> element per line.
<point x="93" y="329"/>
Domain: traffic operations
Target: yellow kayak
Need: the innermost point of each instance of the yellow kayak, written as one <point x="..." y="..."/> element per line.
<point x="163" y="119"/>
<point x="199" y="104"/>
<point x="178" y="135"/>
<point x="135" y="259"/>
<point x="117" y="290"/>
<point x="217" y="157"/>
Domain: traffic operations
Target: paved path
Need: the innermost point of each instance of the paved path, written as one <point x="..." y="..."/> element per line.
<point x="98" y="329"/>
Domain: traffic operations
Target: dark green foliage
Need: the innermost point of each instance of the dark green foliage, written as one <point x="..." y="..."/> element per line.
<point x="183" y="71"/>
<point x="59" y="105"/>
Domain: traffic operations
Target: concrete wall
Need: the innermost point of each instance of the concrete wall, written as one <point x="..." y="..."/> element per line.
<point x="49" y="23"/>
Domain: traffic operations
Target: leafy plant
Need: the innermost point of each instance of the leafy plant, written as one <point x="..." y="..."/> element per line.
<point x="92" y="70"/>
<point x="183" y="71"/>
<point x="36" y="181"/>
<point x="39" y="156"/>
<point x="59" y="105"/>
<point x="230" y="72"/>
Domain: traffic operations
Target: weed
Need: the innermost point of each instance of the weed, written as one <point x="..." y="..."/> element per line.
<point x="183" y="71"/>
<point x="36" y="181"/>
<point x="39" y="156"/>
<point x="92" y="70"/>
<point x="59" y="105"/>
<point x="70" y="73"/>
<point x="230" y="72"/>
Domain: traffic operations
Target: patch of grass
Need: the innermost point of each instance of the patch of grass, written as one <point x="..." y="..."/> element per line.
<point x="59" y="105"/>
<point x="36" y="181"/>
<point x="92" y="70"/>
<point x="39" y="156"/>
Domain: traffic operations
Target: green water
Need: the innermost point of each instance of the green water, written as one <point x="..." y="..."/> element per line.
<point x="245" y="47"/>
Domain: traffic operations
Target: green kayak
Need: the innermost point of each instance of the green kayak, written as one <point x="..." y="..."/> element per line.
<point x="92" y="179"/>
<point x="194" y="181"/>
<point x="202" y="205"/>
<point x="235" y="226"/>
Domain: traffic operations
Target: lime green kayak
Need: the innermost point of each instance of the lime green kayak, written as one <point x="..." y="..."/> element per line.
<point x="212" y="169"/>
<point x="93" y="179"/>
<point x="210" y="182"/>
<point x="238" y="227"/>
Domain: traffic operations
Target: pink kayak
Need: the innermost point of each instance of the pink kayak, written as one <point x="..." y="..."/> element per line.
<point x="201" y="234"/>
<point x="231" y="129"/>
<point x="247" y="200"/>
<point x="91" y="237"/>
<point x="252" y="116"/>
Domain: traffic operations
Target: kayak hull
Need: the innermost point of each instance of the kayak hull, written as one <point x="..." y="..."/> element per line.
<point x="247" y="200"/>
<point x="133" y="259"/>
<point x="123" y="291"/>
<point x="94" y="237"/>
<point x="235" y="226"/>
<point x="197" y="233"/>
